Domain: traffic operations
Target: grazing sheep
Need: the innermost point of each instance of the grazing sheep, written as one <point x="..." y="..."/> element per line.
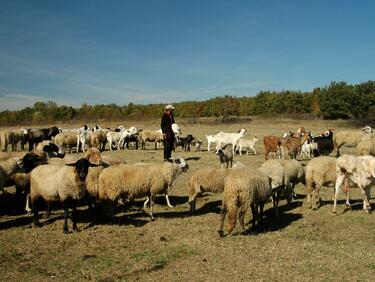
<point x="207" y="180"/>
<point x="366" y="147"/>
<point x="244" y="189"/>
<point x="51" y="149"/>
<point x="320" y="171"/>
<point x="247" y="144"/>
<point x="137" y="181"/>
<point x="361" y="171"/>
<point x="151" y="136"/>
<point x="225" y="155"/>
<point x="351" y="139"/>
<point x="65" y="184"/>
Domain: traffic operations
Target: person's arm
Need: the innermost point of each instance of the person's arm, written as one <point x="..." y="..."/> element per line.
<point x="163" y="123"/>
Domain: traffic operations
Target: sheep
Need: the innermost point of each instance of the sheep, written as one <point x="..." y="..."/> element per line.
<point x="136" y="181"/>
<point x="151" y="136"/>
<point x="361" y="171"/>
<point x="350" y="139"/>
<point x="51" y="149"/>
<point x="284" y="175"/>
<point x="244" y="189"/>
<point x="229" y="138"/>
<point x="247" y="144"/>
<point x="210" y="139"/>
<point x="98" y="139"/>
<point x="320" y="171"/>
<point x="7" y="168"/>
<point x="207" y="180"/>
<point x="271" y="144"/>
<point x="225" y="155"/>
<point x="65" y="184"/>
<point x="37" y="135"/>
<point x="66" y="139"/>
<point x="366" y="147"/>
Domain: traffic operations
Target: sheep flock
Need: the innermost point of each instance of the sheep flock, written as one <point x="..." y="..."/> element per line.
<point x="75" y="167"/>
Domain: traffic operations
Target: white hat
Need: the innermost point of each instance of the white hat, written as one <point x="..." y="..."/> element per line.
<point x="169" y="107"/>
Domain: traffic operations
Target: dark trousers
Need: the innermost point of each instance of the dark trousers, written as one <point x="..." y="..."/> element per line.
<point x="168" y="146"/>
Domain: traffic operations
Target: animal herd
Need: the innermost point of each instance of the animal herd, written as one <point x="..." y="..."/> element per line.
<point x="47" y="173"/>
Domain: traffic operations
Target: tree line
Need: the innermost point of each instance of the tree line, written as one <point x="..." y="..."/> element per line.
<point x="337" y="100"/>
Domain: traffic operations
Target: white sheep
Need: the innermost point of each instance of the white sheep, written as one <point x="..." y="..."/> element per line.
<point x="247" y="144"/>
<point x="351" y="139"/>
<point x="366" y="147"/>
<point x="361" y="171"/>
<point x="151" y="136"/>
<point x="137" y="181"/>
<point x="223" y="138"/>
<point x="59" y="183"/>
<point x="320" y="171"/>
<point x="243" y="189"/>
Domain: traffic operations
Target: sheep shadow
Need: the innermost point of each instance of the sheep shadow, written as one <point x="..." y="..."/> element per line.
<point x="209" y="207"/>
<point x="16" y="222"/>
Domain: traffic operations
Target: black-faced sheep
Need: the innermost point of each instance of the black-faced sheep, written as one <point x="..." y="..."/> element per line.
<point x="66" y="184"/>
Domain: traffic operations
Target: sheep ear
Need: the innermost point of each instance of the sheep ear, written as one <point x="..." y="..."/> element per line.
<point x="72" y="164"/>
<point x="95" y="165"/>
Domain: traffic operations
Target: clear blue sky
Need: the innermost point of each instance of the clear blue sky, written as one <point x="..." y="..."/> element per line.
<point x="74" y="52"/>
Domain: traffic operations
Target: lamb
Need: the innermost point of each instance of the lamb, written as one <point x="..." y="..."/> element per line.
<point x="244" y="189"/>
<point x="151" y="136"/>
<point x="207" y="180"/>
<point x="225" y="155"/>
<point x="361" y="171"/>
<point x="136" y="181"/>
<point x="320" y="171"/>
<point x="247" y="144"/>
<point x="210" y="139"/>
<point x="229" y="138"/>
<point x="65" y="184"/>
<point x="351" y="139"/>
<point x="366" y="147"/>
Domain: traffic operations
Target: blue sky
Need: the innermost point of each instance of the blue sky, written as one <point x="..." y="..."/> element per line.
<point x="75" y="52"/>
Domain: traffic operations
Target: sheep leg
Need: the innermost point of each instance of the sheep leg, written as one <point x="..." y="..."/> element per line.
<point x="241" y="219"/>
<point x="368" y="197"/>
<point x="346" y="189"/>
<point x="255" y="152"/>
<point x="193" y="201"/>
<point x="168" y="203"/>
<point x="66" y="211"/>
<point x="146" y="202"/>
<point x="254" y="211"/>
<point x="275" y="200"/>
<point x="261" y="208"/>
<point x="366" y="203"/>
<point x="151" y="208"/>
<point x="315" y="196"/>
<point x="340" y="179"/>
<point x="35" y="209"/>
<point x="48" y="213"/>
<point x="74" y="217"/>
<point x="223" y="213"/>
<point x="27" y="207"/>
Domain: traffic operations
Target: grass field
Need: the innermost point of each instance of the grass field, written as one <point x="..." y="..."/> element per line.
<point x="300" y="244"/>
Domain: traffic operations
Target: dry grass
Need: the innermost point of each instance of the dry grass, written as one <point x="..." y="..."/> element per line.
<point x="299" y="245"/>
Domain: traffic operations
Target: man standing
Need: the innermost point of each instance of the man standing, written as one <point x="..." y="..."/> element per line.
<point x="166" y="127"/>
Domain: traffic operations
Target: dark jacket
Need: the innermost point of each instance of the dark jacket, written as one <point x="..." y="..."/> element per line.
<point x="166" y="124"/>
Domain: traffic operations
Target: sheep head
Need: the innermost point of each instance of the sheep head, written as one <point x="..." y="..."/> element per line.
<point x="181" y="163"/>
<point x="32" y="160"/>
<point x="82" y="167"/>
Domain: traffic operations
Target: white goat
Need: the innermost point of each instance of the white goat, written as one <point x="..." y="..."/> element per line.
<point x="247" y="144"/>
<point x="229" y="138"/>
<point x="210" y="139"/>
